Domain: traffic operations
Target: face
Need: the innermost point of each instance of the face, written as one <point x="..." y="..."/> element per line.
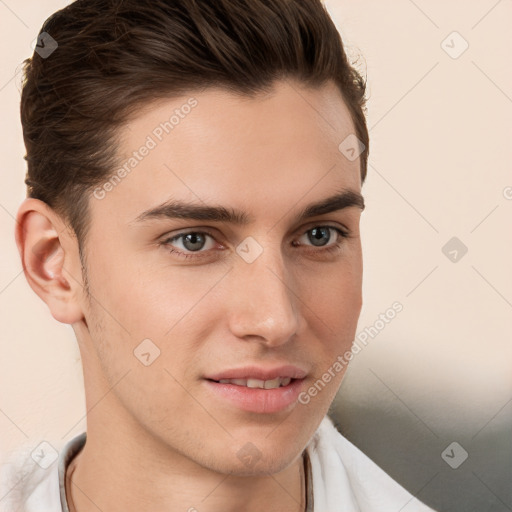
<point x="190" y="308"/>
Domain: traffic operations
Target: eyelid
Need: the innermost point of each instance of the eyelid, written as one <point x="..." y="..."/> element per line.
<point x="188" y="254"/>
<point x="300" y="232"/>
<point x="326" y="224"/>
<point x="202" y="231"/>
<point x="343" y="232"/>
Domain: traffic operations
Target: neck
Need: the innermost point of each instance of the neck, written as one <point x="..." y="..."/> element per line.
<point x="106" y="475"/>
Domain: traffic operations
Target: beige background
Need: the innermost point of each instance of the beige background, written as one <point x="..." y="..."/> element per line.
<point x="440" y="156"/>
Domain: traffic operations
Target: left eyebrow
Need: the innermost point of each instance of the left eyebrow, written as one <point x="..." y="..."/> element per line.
<point x="174" y="209"/>
<point x="347" y="198"/>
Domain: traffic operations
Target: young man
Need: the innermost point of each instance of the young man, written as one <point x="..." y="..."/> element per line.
<point x="194" y="173"/>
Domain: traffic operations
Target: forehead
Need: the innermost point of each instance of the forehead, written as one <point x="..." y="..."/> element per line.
<point x="265" y="152"/>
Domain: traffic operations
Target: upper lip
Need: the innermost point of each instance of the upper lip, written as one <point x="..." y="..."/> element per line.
<point x="260" y="373"/>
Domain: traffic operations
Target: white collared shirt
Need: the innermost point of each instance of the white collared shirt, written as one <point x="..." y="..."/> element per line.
<point x="342" y="478"/>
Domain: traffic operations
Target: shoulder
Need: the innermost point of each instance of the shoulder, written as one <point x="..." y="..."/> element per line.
<point x="343" y="474"/>
<point x="32" y="478"/>
<point x="28" y="486"/>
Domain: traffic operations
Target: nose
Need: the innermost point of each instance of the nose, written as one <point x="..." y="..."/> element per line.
<point x="263" y="306"/>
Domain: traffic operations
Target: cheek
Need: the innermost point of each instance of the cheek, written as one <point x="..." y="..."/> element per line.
<point x="335" y="296"/>
<point x="146" y="297"/>
<point x="335" y="304"/>
<point x="162" y="311"/>
<point x="143" y="368"/>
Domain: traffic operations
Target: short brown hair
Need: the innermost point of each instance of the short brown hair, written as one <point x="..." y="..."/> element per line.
<point x="116" y="55"/>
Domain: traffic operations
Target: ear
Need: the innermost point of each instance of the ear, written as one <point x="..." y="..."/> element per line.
<point x="50" y="259"/>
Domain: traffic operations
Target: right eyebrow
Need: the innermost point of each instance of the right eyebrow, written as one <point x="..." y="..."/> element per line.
<point x="173" y="209"/>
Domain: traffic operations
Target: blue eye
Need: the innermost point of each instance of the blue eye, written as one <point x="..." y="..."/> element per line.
<point x="193" y="242"/>
<point x="319" y="236"/>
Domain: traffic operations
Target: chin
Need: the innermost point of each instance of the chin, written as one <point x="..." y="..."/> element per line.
<point x="271" y="455"/>
<point x="268" y="463"/>
<point x="259" y="457"/>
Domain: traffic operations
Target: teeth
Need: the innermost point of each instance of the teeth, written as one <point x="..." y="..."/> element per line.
<point x="272" y="384"/>
<point x="257" y="383"/>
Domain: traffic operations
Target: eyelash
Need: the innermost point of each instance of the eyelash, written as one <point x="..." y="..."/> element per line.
<point x="200" y="254"/>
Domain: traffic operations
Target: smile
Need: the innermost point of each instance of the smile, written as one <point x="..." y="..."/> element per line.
<point x="257" y="383"/>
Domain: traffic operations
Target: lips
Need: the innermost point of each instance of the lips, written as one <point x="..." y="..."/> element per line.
<point x="257" y="383"/>
<point x="257" y="389"/>
<point x="259" y="373"/>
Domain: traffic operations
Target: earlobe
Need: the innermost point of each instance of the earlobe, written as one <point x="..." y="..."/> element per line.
<point x="40" y="236"/>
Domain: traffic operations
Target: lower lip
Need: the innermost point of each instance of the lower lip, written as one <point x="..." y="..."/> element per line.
<point x="256" y="399"/>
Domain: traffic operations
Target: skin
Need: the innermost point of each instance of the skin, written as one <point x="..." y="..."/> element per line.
<point x="154" y="433"/>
